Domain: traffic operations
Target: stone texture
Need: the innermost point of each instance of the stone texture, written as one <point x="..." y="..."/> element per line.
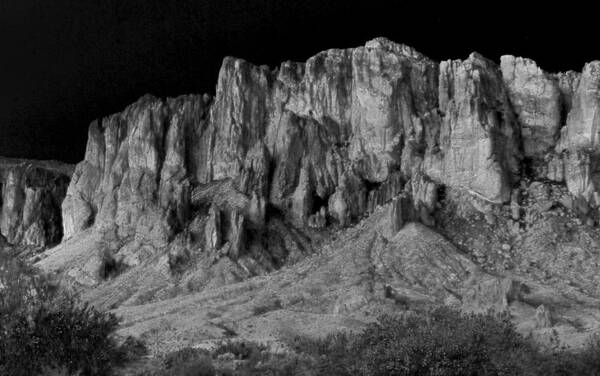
<point x="31" y="195"/>
<point x="478" y="138"/>
<point x="567" y="83"/>
<point x="401" y="212"/>
<point x="326" y="142"/>
<point x="492" y="293"/>
<point x="212" y="229"/>
<point x="578" y="144"/>
<point x="535" y="97"/>
<point x="186" y="195"/>
<point x="137" y="170"/>
<point x="581" y="130"/>
<point x="236" y="235"/>
<point x="543" y="317"/>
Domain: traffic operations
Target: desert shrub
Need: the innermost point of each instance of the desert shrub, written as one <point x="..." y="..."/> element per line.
<point x="267" y="307"/>
<point x="183" y="356"/>
<point x="185" y="362"/>
<point x="201" y="366"/>
<point x="589" y="359"/>
<point x="243" y="350"/>
<point x="132" y="349"/>
<point x="275" y="365"/>
<point x="334" y="354"/>
<point x="42" y="328"/>
<point x="561" y="362"/>
<point x="248" y="359"/>
<point x="443" y="342"/>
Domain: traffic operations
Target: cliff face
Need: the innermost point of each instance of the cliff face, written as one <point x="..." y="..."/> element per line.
<point x="31" y="195"/>
<point x="186" y="196"/>
<point x="137" y="170"/>
<point x="323" y="143"/>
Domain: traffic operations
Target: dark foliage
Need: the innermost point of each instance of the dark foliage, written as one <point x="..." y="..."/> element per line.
<point x="43" y="328"/>
<point x="243" y="350"/>
<point x="443" y="343"/>
<point x="183" y="356"/>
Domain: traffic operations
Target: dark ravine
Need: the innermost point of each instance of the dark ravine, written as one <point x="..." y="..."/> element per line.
<point x="195" y="192"/>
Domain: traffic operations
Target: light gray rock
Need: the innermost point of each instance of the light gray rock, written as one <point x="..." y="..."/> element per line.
<point x="31" y="193"/>
<point x="401" y="212"/>
<point x="492" y="293"/>
<point x="349" y="200"/>
<point x="581" y="130"/>
<point x="555" y="167"/>
<point x="236" y="236"/>
<point x="478" y="151"/>
<point x="319" y="219"/>
<point x="543" y="317"/>
<point x="135" y="173"/>
<point x="212" y="229"/>
<point x="328" y="141"/>
<point x="567" y="83"/>
<point x="535" y="97"/>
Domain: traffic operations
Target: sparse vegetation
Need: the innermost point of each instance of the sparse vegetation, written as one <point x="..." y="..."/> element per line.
<point x="47" y="331"/>
<point x="442" y="342"/>
<point x="269" y="306"/>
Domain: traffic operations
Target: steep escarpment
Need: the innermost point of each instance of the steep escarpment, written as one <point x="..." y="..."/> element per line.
<point x="31" y="195"/>
<point x="322" y="142"/>
<point x="190" y="194"/>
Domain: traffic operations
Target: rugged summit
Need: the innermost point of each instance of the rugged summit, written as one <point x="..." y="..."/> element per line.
<point x="190" y="193"/>
<point x="326" y="140"/>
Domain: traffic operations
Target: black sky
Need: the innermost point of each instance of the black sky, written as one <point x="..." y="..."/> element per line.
<point x="64" y="63"/>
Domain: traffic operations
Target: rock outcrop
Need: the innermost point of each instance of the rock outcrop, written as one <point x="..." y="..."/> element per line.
<point x="478" y="148"/>
<point x="194" y="195"/>
<point x="136" y="175"/>
<point x="307" y="146"/>
<point x="535" y="98"/>
<point x="31" y="195"/>
<point x="331" y="138"/>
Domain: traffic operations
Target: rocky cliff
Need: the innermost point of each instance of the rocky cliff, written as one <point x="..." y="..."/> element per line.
<point x="327" y="140"/>
<point x="196" y="192"/>
<point x="31" y="196"/>
<point x="306" y="177"/>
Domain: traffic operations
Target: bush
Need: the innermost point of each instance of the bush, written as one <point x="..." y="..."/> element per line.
<point x="199" y="367"/>
<point x="442" y="342"/>
<point x="243" y="350"/>
<point x="185" y="355"/>
<point x="335" y="354"/>
<point x="41" y="328"/>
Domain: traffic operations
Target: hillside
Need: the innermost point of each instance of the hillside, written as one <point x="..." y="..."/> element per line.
<point x="366" y="180"/>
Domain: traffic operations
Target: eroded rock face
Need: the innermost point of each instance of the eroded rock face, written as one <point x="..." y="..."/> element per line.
<point x="581" y="130"/>
<point x="535" y="98"/>
<point x="478" y="148"/>
<point x="327" y="141"/>
<point x="135" y="178"/>
<point x="31" y="195"/>
<point x="578" y="145"/>
<point x="301" y="138"/>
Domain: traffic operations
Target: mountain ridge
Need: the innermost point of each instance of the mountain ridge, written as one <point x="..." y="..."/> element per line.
<point x="185" y="195"/>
